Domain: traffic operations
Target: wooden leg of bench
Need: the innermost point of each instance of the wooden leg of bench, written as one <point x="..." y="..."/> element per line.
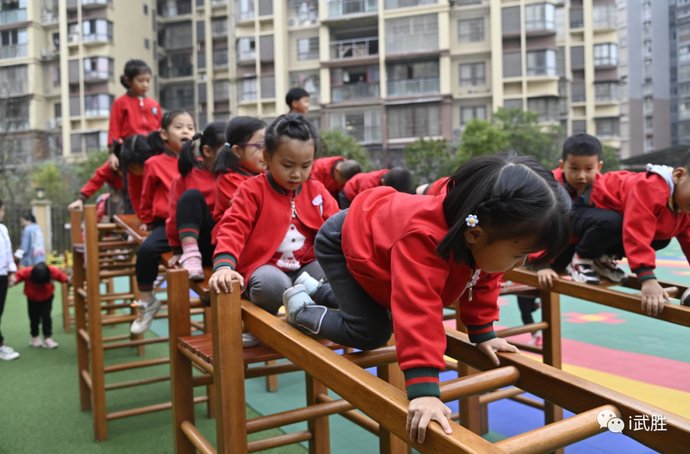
<point x="388" y="442"/>
<point x="470" y="408"/>
<point x="64" y="291"/>
<point x="182" y="387"/>
<point x="320" y="442"/>
<point x="271" y="380"/>
<point x="78" y="278"/>
<point x="551" y="313"/>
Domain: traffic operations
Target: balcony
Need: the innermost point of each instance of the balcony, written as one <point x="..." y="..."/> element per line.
<point x="176" y="70"/>
<point x="220" y="58"/>
<point x="606" y="92"/>
<point x="347" y="49"/>
<point x="604" y="17"/>
<point x="174" y="9"/>
<point x="413" y="87"/>
<point x="577" y="18"/>
<point x="339" y="8"/>
<point x="578" y="92"/>
<point x="393" y="4"/>
<point x="359" y="90"/>
<point x="96" y="76"/>
<point x="303" y="13"/>
<point x="13" y="51"/>
<point x="13" y="15"/>
<point x="95" y="3"/>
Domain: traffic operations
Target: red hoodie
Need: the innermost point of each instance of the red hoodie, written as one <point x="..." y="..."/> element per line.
<point x="323" y="170"/>
<point x="104" y="174"/>
<point x="134" y="184"/>
<point x="159" y="173"/>
<point x="226" y="185"/>
<point x="389" y="242"/>
<point x="363" y="181"/>
<point x="132" y="115"/>
<point x="644" y="201"/>
<point x="200" y="179"/>
<point x="40" y="292"/>
<point x="251" y="231"/>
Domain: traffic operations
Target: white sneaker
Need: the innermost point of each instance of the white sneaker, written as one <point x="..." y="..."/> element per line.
<point x="249" y="340"/>
<point x="7" y="353"/>
<point x="145" y="317"/>
<point x="685" y="298"/>
<point x="309" y="283"/>
<point x="159" y="281"/>
<point x="607" y="267"/>
<point x="36" y="342"/>
<point x="582" y="270"/>
<point x="50" y="344"/>
<point x="295" y="299"/>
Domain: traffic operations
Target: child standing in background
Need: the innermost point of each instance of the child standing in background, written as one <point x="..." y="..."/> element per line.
<point x="297" y="100"/>
<point x="39" y="291"/>
<point x="32" y="249"/>
<point x="7" y="270"/>
<point x="159" y="172"/>
<point x="134" y="112"/>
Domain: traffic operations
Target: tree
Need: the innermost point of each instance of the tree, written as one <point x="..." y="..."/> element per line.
<point x="480" y="138"/>
<point x="428" y="160"/>
<point x="526" y="136"/>
<point x="339" y="144"/>
<point x="611" y="159"/>
<point x="50" y="176"/>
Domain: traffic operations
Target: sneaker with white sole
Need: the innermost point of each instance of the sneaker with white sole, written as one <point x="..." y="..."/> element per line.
<point x="50" y="344"/>
<point x="295" y="299"/>
<point x="310" y="283"/>
<point x="146" y="313"/>
<point x="192" y="263"/>
<point x="249" y="340"/>
<point x="582" y="270"/>
<point x="607" y="266"/>
<point x="7" y="353"/>
<point x="36" y="342"/>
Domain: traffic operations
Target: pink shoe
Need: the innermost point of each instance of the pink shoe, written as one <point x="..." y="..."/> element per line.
<point x="537" y="339"/>
<point x="192" y="263"/>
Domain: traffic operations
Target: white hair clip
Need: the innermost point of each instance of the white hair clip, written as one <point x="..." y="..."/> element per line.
<point x="472" y="220"/>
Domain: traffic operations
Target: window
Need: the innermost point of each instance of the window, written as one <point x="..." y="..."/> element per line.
<point x="219" y="27"/>
<point x="607" y="127"/>
<point x="579" y="126"/>
<point x="512" y="104"/>
<point x="97" y="30"/>
<point x="246" y="89"/>
<point x="13" y="43"/>
<point x="15" y="115"/>
<point x="245" y="9"/>
<point x="424" y="29"/>
<point x="471" y="30"/>
<point x="363" y="125"/>
<point x="546" y="107"/>
<point x="14" y="80"/>
<point x="176" y="35"/>
<point x="98" y="68"/>
<point x="605" y="54"/>
<point x="221" y="90"/>
<point x="146" y="43"/>
<point x="146" y="9"/>
<point x="606" y="91"/>
<point x="178" y="96"/>
<point x="302" y="12"/>
<point x="512" y="64"/>
<point x="97" y="105"/>
<point x="246" y="49"/>
<point x="471" y="113"/>
<point x="541" y="63"/>
<point x="310" y="81"/>
<point x="355" y="82"/>
<point x="12" y="11"/>
<point x="540" y="17"/>
<point x="308" y="48"/>
<point x="413" y="122"/>
<point x="392" y="4"/>
<point x="405" y="79"/>
<point x="472" y="74"/>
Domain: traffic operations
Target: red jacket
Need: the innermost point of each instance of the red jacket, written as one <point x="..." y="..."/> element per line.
<point x="40" y="292"/>
<point x="389" y="242"/>
<point x="104" y="174"/>
<point x="363" y="181"/>
<point x="251" y="231"/>
<point x="134" y="184"/>
<point x="159" y="173"/>
<point x="226" y="185"/>
<point x="643" y="199"/>
<point x="130" y="115"/>
<point x="323" y="170"/>
<point x="200" y="179"/>
<point x="438" y="187"/>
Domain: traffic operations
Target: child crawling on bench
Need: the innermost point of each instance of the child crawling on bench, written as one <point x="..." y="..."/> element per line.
<point x="394" y="261"/>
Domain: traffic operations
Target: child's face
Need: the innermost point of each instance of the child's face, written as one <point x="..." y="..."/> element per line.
<point x="681" y="193"/>
<point x="140" y="84"/>
<point x="251" y="154"/>
<point x="301" y="105"/>
<point x="291" y="163"/>
<point x="180" y="130"/>
<point x="580" y="171"/>
<point x="500" y="255"/>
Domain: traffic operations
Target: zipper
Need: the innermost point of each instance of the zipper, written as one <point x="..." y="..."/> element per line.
<point x="472" y="282"/>
<point x="292" y="207"/>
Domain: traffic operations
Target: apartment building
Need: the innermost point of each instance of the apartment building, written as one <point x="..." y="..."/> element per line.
<point x="383" y="71"/>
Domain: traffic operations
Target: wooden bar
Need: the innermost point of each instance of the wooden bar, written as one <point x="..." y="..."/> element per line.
<point x="478" y="383"/>
<point x="197" y="440"/>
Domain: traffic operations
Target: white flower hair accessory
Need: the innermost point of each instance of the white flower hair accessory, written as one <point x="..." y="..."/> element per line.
<point x="472" y="220"/>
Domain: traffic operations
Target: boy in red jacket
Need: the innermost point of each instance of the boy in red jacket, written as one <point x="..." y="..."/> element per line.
<point x="39" y="291"/>
<point x="398" y="178"/>
<point x="334" y="171"/>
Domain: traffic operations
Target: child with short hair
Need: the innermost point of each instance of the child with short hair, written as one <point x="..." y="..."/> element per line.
<point x="334" y="171"/>
<point x="398" y="178"/>
<point x="265" y="239"/>
<point x="395" y="260"/>
<point x="297" y="100"/>
<point x="7" y="270"/>
<point x="33" y="247"/>
<point x="134" y="153"/>
<point x="39" y="291"/>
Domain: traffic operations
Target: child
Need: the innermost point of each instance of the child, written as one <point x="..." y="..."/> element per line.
<point x="33" y="248"/>
<point x="655" y="206"/>
<point x="297" y="100"/>
<point x="266" y="237"/>
<point x="39" y="291"/>
<point x="104" y="174"/>
<point x="7" y="270"/>
<point x="398" y="178"/>
<point x="133" y="112"/>
<point x="192" y="197"/>
<point x="434" y="188"/>
<point x="240" y="159"/>
<point x="334" y="172"/>
<point x="159" y="173"/>
<point x="135" y="151"/>
<point x="394" y="262"/>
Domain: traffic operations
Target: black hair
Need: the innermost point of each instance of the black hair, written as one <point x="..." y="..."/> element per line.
<point x="133" y="68"/>
<point x="135" y="150"/>
<point x="40" y="273"/>
<point x="213" y="136"/>
<point x="685" y="161"/>
<point x="582" y="144"/>
<point x="154" y="138"/>
<point x="238" y="132"/>
<point x="2" y="203"/>
<point x="295" y="94"/>
<point x="28" y="216"/>
<point x="348" y="168"/>
<point x="293" y="126"/>
<point x="513" y="197"/>
<point x="398" y="178"/>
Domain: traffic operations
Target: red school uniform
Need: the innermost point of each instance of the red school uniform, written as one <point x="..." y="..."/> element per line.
<point x="363" y="181"/>
<point x="438" y="187"/>
<point x="197" y="178"/>
<point x="226" y="185"/>
<point x="258" y="220"/>
<point x="134" y="185"/>
<point x="40" y="292"/>
<point x="323" y="170"/>
<point x="104" y="174"/>
<point x="130" y="115"/>
<point x="389" y="242"/>
<point x="159" y="173"/>
<point x="644" y="201"/>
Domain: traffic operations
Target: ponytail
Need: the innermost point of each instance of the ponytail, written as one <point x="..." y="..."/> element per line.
<point x="238" y="132"/>
<point x="187" y="159"/>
